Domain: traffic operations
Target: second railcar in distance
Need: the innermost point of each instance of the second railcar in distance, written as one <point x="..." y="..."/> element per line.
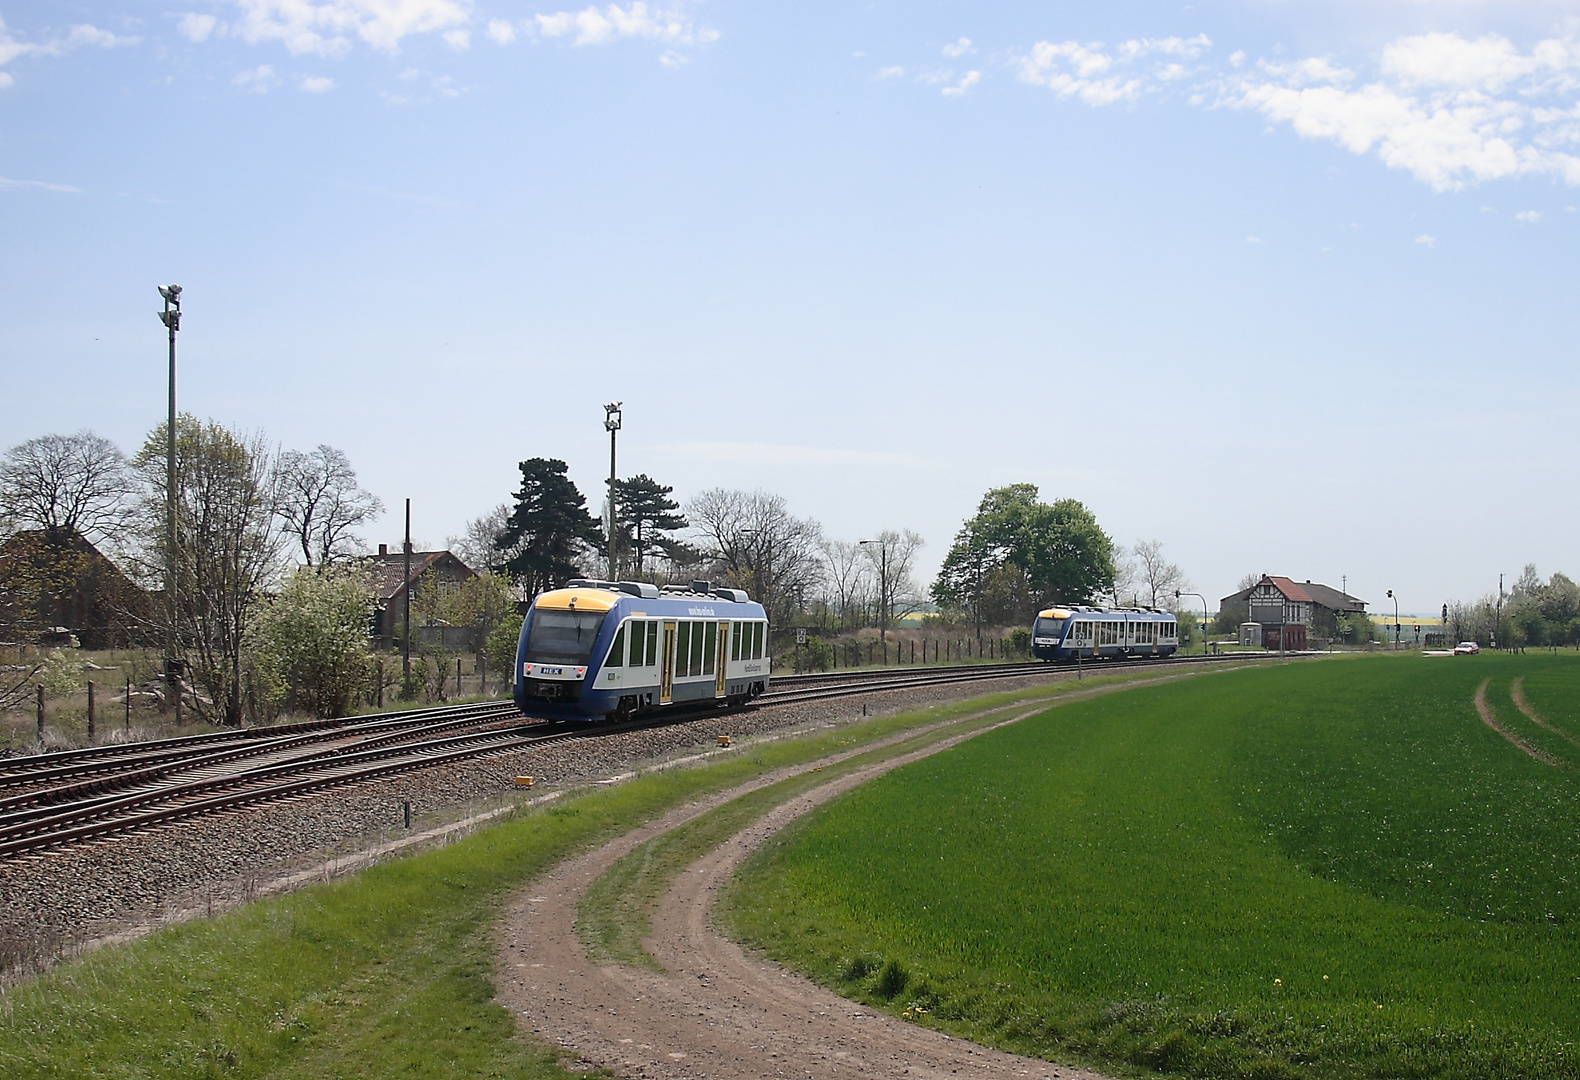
<point x="1089" y="633"/>
<point x="597" y="649"/>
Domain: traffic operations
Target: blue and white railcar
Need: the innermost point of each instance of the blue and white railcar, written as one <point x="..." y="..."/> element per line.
<point x="596" y="649"/>
<point x="1087" y="633"/>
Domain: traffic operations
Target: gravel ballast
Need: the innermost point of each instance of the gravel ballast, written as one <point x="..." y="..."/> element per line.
<point x="57" y="901"/>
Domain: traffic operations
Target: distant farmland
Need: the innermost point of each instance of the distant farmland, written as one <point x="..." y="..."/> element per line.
<point x="1326" y="869"/>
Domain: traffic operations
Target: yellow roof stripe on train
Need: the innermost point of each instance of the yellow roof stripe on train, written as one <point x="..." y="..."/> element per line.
<point x="580" y="599"/>
<point x="1053" y="613"/>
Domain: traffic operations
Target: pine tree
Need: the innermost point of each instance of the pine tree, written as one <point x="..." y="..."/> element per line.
<point x="548" y="527"/>
<point x="644" y="507"/>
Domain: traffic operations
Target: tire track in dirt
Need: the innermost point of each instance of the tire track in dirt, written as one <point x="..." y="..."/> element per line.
<point x="716" y="1013"/>
<point x="1517" y="692"/>
<point x="1492" y="722"/>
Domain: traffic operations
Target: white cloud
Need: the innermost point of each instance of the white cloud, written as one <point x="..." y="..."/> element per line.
<point x="315" y="84"/>
<point x="890" y="72"/>
<point x="260" y="80"/>
<point x="1530" y="217"/>
<point x="1097" y="76"/>
<point x="959" y="48"/>
<point x="967" y="81"/>
<point x="459" y="40"/>
<point x="442" y="85"/>
<point x="327" y="27"/>
<point x="195" y="27"/>
<point x="597" y="26"/>
<point x="1450" y="111"/>
<point x="501" y="31"/>
<point x="7" y="184"/>
<point x="78" y="36"/>
<point x="1426" y="240"/>
<point x="1253" y="239"/>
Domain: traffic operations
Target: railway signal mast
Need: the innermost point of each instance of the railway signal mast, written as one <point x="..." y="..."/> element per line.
<point x="171" y="317"/>
<point x="611" y="423"/>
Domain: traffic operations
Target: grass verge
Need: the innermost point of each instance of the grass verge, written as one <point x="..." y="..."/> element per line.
<point x="387" y="973"/>
<point x="1287" y="874"/>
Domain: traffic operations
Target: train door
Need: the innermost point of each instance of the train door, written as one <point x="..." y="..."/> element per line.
<point x="666" y="679"/>
<point x="723" y="657"/>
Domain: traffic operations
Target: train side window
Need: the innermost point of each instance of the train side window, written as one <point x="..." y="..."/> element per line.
<point x="696" y="647"/>
<point x="683" y="648"/>
<point x="757" y="641"/>
<point x="638" y="642"/>
<point x="617" y="650"/>
<point x="735" y="641"/>
<point x="652" y="645"/>
<point x="710" y="642"/>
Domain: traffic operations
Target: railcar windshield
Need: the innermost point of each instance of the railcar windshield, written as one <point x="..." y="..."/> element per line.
<point x="1048" y="628"/>
<point x="563" y="637"/>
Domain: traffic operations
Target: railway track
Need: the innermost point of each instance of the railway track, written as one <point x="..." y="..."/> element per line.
<point x="61" y="798"/>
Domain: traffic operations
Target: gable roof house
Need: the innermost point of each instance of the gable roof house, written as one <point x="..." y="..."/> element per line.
<point x="1288" y="610"/>
<point x="387" y="574"/>
<point x="54" y="580"/>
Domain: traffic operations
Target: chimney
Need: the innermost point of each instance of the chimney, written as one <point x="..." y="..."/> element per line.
<point x="384" y="550"/>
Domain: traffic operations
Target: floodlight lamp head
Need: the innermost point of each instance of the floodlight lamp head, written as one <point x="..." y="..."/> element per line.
<point x="171" y="293"/>
<point x="611" y="416"/>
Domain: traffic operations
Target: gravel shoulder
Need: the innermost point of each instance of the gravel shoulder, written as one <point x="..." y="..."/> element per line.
<point x="57" y="903"/>
<point x="715" y="1011"/>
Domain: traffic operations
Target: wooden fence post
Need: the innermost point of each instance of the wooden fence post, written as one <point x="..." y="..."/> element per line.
<point x="90" y="710"/>
<point x="40" y="688"/>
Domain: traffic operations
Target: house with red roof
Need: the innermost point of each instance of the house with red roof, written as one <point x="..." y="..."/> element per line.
<point x="1287" y="610"/>
<point x="391" y="583"/>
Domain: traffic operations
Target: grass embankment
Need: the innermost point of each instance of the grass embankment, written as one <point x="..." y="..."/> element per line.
<point x="1316" y="870"/>
<point x="387" y="973"/>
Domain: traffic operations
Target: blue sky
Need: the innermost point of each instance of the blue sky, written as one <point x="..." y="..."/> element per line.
<point x="1288" y="287"/>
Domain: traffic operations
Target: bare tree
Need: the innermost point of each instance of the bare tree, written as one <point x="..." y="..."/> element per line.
<point x="65" y="483"/>
<point x="752" y="542"/>
<point x="320" y="504"/>
<point x="1155" y="574"/>
<point x="478" y="548"/>
<point x="845" y="572"/>
<point x="890" y="555"/>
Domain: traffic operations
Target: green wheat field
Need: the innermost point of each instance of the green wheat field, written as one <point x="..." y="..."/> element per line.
<point x="1323" y="869"/>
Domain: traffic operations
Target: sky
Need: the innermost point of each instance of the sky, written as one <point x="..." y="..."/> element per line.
<point x="1287" y="287"/>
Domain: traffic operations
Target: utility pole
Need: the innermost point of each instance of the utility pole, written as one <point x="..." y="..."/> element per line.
<point x="611" y="423"/>
<point x="883" y="591"/>
<point x="1497" y="613"/>
<point x="171" y="317"/>
<point x="405" y="633"/>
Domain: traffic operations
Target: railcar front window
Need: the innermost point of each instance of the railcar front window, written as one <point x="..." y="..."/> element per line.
<point x="563" y="637"/>
<point x="1048" y="628"/>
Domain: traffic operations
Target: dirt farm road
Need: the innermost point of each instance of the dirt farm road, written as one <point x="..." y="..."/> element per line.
<point x="714" y="1012"/>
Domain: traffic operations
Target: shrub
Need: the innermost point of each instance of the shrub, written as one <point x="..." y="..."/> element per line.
<point x="891" y="980"/>
<point x="311" y="641"/>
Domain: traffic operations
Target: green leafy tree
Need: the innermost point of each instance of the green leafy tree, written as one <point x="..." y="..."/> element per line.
<point x="550" y="529"/>
<point x="227" y="550"/>
<point x="500" y="648"/>
<point x="645" y="509"/>
<point x="310" y="641"/>
<point x="1019" y="553"/>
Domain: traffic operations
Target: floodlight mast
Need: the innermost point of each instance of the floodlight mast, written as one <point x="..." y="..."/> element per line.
<point x="171" y="317"/>
<point x="611" y="423"/>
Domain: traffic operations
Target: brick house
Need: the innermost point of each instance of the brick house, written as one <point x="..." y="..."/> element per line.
<point x="386" y="572"/>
